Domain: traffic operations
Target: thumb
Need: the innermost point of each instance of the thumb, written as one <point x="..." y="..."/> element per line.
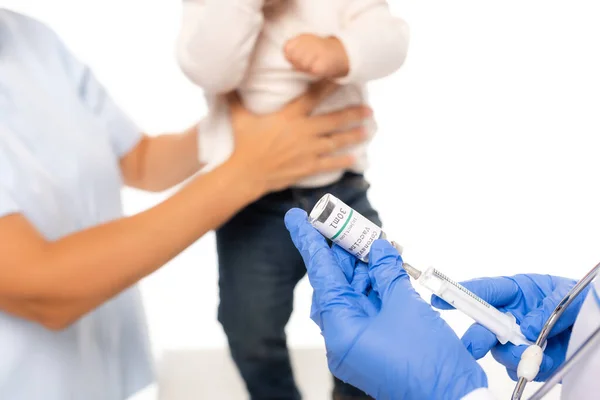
<point x="499" y="292"/>
<point x="333" y="292"/>
<point x="385" y="267"/>
<point x="361" y="281"/>
<point x="346" y="261"/>
<point x="479" y="340"/>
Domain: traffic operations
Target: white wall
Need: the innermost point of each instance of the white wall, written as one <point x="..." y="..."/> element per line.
<point x="486" y="162"/>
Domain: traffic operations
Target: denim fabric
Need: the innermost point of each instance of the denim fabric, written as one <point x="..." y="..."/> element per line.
<point x="259" y="268"/>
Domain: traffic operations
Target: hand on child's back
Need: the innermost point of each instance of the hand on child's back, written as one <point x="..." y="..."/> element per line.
<point x="322" y="57"/>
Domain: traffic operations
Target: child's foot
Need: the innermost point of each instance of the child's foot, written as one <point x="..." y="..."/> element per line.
<point x="322" y="57"/>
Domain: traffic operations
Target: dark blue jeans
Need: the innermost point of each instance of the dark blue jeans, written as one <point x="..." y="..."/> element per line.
<point x="259" y="268"/>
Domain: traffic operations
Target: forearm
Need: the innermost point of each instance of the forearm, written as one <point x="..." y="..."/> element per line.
<point x="216" y="41"/>
<point x="376" y="42"/>
<point x="87" y="268"/>
<point x="164" y="161"/>
<point x="54" y="315"/>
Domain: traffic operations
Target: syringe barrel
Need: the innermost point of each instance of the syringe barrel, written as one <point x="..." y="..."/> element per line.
<point x="504" y="326"/>
<point x="338" y="222"/>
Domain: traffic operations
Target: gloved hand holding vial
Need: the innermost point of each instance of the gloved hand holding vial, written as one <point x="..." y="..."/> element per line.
<point x="353" y="232"/>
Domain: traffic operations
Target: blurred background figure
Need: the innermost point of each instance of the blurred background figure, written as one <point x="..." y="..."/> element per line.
<point x="71" y="317"/>
<point x="270" y="51"/>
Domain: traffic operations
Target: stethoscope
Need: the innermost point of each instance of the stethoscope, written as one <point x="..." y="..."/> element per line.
<point x="531" y="359"/>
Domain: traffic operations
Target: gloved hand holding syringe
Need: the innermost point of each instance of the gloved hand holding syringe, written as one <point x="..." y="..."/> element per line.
<point x="353" y="232"/>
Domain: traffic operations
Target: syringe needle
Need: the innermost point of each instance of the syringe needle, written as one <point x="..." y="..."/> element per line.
<point x="410" y="270"/>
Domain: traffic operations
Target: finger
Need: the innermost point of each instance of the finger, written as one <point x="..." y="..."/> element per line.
<point x="290" y="46"/>
<point x="338" y="141"/>
<point x="533" y="322"/>
<point x="498" y="292"/>
<point x="361" y="284"/>
<point x="479" y="341"/>
<point x="315" y="312"/>
<point x="554" y="355"/>
<point x="306" y="238"/>
<point x="375" y="301"/>
<point x="320" y="67"/>
<point x="546" y="368"/>
<point x="293" y="43"/>
<point x="309" y="60"/>
<point x="305" y="104"/>
<point x="385" y="268"/>
<point x="508" y="355"/>
<point x="439" y="303"/>
<point x="339" y="120"/>
<point x="332" y="290"/>
<point x="297" y="58"/>
<point x="346" y="261"/>
<point x="302" y="59"/>
<point x="512" y="373"/>
<point x="361" y="281"/>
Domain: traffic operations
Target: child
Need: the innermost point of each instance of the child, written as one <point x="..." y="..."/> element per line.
<point x="270" y="51"/>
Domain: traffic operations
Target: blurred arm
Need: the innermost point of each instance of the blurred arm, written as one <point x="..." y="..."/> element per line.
<point x="216" y="41"/>
<point x="147" y="163"/>
<point x="161" y="162"/>
<point x="376" y="42"/>
<point x="54" y="283"/>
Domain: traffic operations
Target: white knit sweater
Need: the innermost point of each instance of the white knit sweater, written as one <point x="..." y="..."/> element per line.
<point x="228" y="44"/>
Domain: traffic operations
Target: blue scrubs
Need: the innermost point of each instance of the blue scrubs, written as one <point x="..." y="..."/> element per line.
<point x="61" y="138"/>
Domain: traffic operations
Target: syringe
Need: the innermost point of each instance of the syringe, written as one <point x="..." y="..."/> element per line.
<point x="353" y="232"/>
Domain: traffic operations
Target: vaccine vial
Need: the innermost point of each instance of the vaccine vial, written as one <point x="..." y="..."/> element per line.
<point x="344" y="226"/>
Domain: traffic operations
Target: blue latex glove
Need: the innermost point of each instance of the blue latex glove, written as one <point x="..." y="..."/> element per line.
<point x="355" y="272"/>
<point x="531" y="299"/>
<point x="399" y="348"/>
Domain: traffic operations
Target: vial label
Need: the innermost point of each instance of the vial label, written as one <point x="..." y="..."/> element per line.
<point x="350" y="230"/>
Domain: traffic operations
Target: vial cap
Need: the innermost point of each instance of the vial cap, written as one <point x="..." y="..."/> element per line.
<point x="323" y="209"/>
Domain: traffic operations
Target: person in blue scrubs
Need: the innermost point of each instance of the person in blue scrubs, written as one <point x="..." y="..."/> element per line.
<point x="71" y="321"/>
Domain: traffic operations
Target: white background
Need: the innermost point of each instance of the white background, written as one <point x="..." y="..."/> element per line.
<point x="486" y="162"/>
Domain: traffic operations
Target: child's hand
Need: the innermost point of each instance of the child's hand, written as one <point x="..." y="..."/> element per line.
<point x="322" y="57"/>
